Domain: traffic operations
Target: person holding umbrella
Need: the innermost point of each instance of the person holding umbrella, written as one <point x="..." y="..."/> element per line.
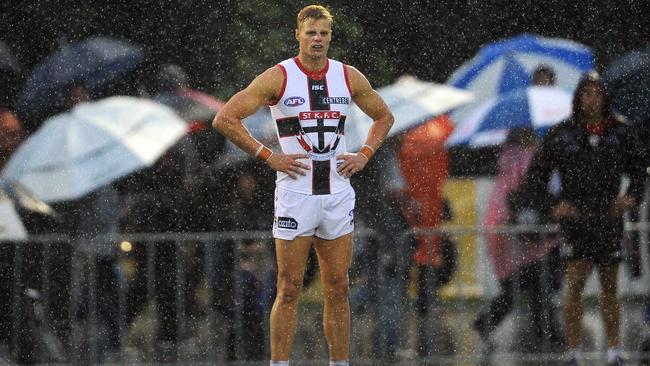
<point x="590" y="151"/>
<point x="309" y="97"/>
<point x="11" y="129"/>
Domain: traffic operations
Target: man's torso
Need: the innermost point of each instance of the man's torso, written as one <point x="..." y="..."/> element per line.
<point x="310" y="117"/>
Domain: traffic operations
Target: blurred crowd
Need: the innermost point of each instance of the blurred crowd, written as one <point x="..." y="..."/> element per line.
<point x="190" y="189"/>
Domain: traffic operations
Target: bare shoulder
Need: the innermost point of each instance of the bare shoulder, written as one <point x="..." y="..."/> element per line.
<point x="268" y="83"/>
<point x="358" y="82"/>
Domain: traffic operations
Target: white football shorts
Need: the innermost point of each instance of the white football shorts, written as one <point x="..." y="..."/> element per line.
<point x="327" y="216"/>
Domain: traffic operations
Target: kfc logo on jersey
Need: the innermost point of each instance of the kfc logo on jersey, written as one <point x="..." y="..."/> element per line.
<point x="319" y="115"/>
<point x="294" y="101"/>
<point x="287" y="223"/>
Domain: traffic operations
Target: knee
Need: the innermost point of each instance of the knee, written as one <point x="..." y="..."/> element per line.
<point x="288" y="290"/>
<point x="336" y="286"/>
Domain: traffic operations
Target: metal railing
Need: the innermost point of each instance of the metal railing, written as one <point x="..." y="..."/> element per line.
<point x="60" y="315"/>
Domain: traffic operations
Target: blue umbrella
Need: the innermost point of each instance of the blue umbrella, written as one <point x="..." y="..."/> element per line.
<point x="537" y="107"/>
<point x="92" y="62"/>
<point x="628" y="82"/>
<point x="506" y="65"/>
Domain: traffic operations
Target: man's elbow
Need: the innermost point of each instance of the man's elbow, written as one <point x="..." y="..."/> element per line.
<point x="219" y="122"/>
<point x="390" y="120"/>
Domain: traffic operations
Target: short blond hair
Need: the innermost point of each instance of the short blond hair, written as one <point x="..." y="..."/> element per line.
<point x="313" y="12"/>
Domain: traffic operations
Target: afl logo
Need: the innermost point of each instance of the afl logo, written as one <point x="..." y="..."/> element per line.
<point x="294" y="101"/>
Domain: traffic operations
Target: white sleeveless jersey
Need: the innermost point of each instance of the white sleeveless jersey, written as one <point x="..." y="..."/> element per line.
<point x="310" y="119"/>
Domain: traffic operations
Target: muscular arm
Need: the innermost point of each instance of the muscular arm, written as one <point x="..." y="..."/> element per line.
<point x="371" y="104"/>
<point x="243" y="104"/>
<point x="228" y="121"/>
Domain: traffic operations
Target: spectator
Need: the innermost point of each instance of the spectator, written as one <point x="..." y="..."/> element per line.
<point x="11" y="130"/>
<point x="380" y="275"/>
<point x="590" y="151"/>
<point x="429" y="280"/>
<point x="424" y="164"/>
<point x="156" y="200"/>
<point x="90" y="221"/>
<point x="197" y="109"/>
<point x="519" y="261"/>
<point x="253" y="256"/>
<point x="543" y="76"/>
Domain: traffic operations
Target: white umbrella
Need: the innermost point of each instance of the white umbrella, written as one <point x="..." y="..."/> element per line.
<point x="92" y="145"/>
<point x="11" y="226"/>
<point x="411" y="101"/>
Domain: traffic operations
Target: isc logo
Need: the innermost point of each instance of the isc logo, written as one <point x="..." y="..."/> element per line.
<point x="318" y="87"/>
<point x="294" y="101"/>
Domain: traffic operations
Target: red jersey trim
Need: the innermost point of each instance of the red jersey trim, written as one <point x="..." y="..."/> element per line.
<point x="284" y="86"/>
<point x="315" y="75"/>
<point x="347" y="78"/>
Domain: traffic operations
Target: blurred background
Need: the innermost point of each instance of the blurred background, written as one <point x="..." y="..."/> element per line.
<point x="154" y="246"/>
<point x="223" y="44"/>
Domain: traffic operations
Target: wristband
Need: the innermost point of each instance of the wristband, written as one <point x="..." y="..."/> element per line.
<point x="263" y="153"/>
<point x="367" y="151"/>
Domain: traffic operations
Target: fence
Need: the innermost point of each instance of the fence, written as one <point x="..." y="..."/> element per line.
<point x="193" y="298"/>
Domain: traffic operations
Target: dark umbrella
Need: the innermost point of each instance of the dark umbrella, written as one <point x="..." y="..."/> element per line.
<point x="92" y="62"/>
<point x="628" y="82"/>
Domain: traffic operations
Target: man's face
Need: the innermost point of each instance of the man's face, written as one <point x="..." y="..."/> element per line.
<point x="543" y="79"/>
<point x="314" y="36"/>
<point x="591" y="100"/>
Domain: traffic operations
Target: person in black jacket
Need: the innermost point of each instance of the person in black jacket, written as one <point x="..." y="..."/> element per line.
<point x="591" y="152"/>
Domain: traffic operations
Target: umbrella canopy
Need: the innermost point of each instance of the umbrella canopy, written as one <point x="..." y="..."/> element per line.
<point x="412" y="103"/>
<point x="538" y="107"/>
<point x="11" y="226"/>
<point x="92" y="62"/>
<point x="191" y="105"/>
<point x="24" y="198"/>
<point x="506" y="65"/>
<point x="18" y="208"/>
<point x="628" y="82"/>
<point x="94" y="144"/>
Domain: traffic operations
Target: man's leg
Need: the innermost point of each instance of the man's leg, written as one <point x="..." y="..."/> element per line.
<point x="335" y="258"/>
<point x="609" y="305"/>
<point x="292" y="258"/>
<point x="576" y="276"/>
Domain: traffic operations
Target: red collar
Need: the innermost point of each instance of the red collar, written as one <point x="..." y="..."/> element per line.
<point x="598" y="128"/>
<point x="315" y="75"/>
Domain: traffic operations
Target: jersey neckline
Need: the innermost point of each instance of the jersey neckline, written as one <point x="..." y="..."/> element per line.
<point x="315" y="75"/>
